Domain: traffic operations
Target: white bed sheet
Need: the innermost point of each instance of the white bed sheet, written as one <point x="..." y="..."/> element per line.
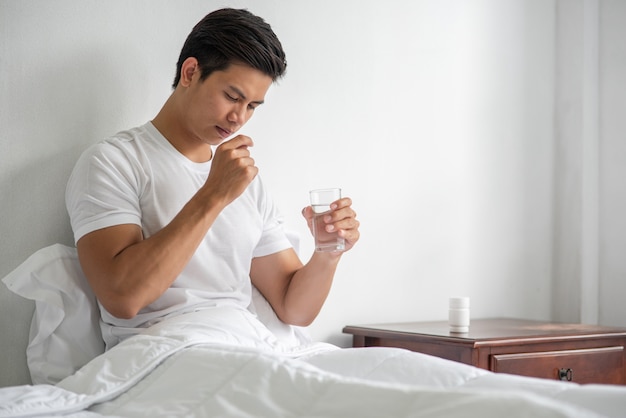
<point x="222" y="362"/>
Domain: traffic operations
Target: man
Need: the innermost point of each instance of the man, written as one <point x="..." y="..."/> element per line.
<point x="171" y="217"/>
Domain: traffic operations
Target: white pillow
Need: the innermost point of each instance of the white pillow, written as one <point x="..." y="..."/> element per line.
<point x="65" y="329"/>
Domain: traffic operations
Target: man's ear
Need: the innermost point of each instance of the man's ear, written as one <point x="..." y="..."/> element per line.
<point x="187" y="70"/>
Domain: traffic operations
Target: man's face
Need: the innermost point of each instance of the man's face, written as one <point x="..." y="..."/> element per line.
<point x="220" y="105"/>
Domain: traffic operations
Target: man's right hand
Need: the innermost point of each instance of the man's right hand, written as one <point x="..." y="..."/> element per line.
<point x="232" y="169"/>
<point x="128" y="272"/>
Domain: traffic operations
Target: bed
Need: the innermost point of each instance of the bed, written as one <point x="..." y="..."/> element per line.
<point x="227" y="361"/>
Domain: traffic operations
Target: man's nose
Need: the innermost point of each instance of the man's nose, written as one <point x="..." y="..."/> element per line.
<point x="237" y="115"/>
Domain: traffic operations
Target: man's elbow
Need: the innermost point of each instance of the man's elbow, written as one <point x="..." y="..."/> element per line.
<point x="304" y="322"/>
<point x="299" y="320"/>
<point x="120" y="307"/>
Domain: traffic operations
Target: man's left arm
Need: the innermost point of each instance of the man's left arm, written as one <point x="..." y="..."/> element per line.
<point x="297" y="292"/>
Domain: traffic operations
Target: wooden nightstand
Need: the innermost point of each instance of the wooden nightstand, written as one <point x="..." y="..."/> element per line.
<point x="576" y="352"/>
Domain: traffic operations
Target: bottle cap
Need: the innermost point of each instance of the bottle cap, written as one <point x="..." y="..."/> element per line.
<point x="459" y="303"/>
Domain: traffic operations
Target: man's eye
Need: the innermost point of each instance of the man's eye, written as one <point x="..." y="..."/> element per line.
<point x="231" y="98"/>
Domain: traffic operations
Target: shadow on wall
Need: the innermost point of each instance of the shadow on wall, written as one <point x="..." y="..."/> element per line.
<point x="33" y="209"/>
<point x="53" y="116"/>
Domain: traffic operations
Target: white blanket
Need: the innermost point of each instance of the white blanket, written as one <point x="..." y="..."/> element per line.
<point x="222" y="362"/>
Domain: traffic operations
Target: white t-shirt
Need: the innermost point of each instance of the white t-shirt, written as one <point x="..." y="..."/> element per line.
<point x="138" y="177"/>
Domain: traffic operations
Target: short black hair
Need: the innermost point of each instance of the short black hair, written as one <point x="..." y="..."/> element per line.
<point x="228" y="36"/>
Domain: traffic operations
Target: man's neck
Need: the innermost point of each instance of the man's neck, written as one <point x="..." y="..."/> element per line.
<point x="168" y="124"/>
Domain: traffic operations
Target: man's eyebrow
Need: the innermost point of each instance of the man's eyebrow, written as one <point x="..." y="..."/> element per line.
<point x="243" y="96"/>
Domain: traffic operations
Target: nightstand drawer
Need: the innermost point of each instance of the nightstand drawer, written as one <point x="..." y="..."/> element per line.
<point x="580" y="352"/>
<point x="593" y="365"/>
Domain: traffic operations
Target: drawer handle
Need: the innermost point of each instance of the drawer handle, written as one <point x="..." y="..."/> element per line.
<point x="566" y="374"/>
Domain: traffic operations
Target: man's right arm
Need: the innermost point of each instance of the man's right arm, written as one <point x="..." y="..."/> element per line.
<point x="128" y="272"/>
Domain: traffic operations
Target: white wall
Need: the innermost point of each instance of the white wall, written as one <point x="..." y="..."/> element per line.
<point x="612" y="289"/>
<point x="436" y="116"/>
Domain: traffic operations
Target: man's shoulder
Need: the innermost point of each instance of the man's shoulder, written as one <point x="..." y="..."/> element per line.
<point x="129" y="142"/>
<point x="128" y="137"/>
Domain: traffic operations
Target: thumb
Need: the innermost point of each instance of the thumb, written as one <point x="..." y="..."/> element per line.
<point x="240" y="141"/>
<point x="307" y="212"/>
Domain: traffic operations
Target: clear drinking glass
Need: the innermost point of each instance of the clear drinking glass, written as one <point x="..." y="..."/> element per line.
<point x="320" y="202"/>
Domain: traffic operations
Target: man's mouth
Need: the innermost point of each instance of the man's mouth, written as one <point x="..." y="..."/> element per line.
<point x="223" y="133"/>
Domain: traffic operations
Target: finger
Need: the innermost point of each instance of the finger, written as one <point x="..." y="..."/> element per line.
<point x="346" y="224"/>
<point x="341" y="203"/>
<point x="236" y="149"/>
<point x="307" y="212"/>
<point x="339" y="215"/>
<point x="240" y="141"/>
<point x="351" y="236"/>
<point x="348" y="227"/>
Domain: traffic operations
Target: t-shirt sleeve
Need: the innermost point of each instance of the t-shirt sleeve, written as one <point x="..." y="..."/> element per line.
<point x="103" y="191"/>
<point x="274" y="237"/>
